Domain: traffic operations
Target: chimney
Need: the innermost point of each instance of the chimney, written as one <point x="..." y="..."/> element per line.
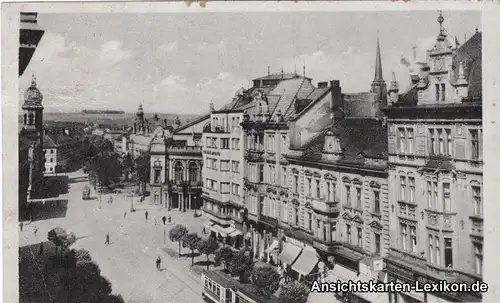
<point x="337" y="100"/>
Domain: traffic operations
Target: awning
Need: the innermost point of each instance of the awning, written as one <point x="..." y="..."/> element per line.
<point x="289" y="253"/>
<point x="369" y="296"/>
<point x="235" y="233"/>
<point x="305" y="263"/>
<point x="208" y="224"/>
<point x="341" y="273"/>
<point x="273" y="246"/>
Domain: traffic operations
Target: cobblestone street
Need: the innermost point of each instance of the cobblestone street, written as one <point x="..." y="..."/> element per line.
<point x="129" y="261"/>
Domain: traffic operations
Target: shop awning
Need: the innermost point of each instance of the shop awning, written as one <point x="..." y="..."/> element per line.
<point x="341" y="273"/>
<point x="372" y="297"/>
<point x="235" y="233"/>
<point x="273" y="246"/>
<point x="289" y="253"/>
<point x="305" y="263"/>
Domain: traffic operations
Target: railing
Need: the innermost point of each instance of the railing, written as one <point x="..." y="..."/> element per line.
<point x="326" y="207"/>
<point x="184" y="149"/>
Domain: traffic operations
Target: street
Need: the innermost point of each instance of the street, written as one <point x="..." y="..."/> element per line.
<point x="135" y="243"/>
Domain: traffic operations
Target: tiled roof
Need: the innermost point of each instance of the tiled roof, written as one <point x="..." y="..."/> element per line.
<point x="279" y="76"/>
<point x="48" y="142"/>
<point x="288" y="91"/>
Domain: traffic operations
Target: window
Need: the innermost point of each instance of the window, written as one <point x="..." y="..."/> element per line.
<point x="333" y="231"/>
<point x="51" y="151"/>
<point x="283" y="176"/>
<point x="272" y="174"/>
<point x="261" y="172"/>
<point x="284" y="211"/>
<point x="360" y="237"/>
<point x="296" y="210"/>
<point x="235" y="143"/>
<point x="236" y="166"/>
<point x="478" y="256"/>
<point x="224" y="143"/>
<point x="413" y="240"/>
<point x="449" y="145"/>
<point x="224" y="187"/>
<point x="358" y="197"/>
<point x="348" y="194"/>
<point x="474" y="139"/>
<point x="309" y="187"/>
<point x="411" y="141"/>
<point x="402" y="188"/>
<point x="283" y="144"/>
<point x="476" y="199"/>
<point x="377" y="243"/>
<point x="446" y="197"/>
<point x="296" y="184"/>
<point x="270" y="143"/>
<point x="435" y="198"/>
<point x="224" y="165"/>
<point x="376" y="205"/>
<point x="324" y="231"/>
<point x="429" y="194"/>
<point x="157" y="175"/>
<point x="318" y="227"/>
<point x="448" y="253"/>
<point x="318" y="189"/>
<point x="441" y="141"/>
<point x="411" y="182"/>
<point x="404" y="235"/>
<point x="438" y="252"/>
<point x="348" y="233"/>
<point x="402" y="140"/>
<point x="443" y="91"/>
<point x="437" y="92"/>
<point x="179" y="171"/>
<point x="310" y="220"/>
<point x="51" y="159"/>
<point x="432" y="143"/>
<point x="236" y="189"/>
<point x="261" y="205"/>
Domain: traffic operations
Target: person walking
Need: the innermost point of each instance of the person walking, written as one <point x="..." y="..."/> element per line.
<point x="21" y="224"/>
<point x="41" y="248"/>
<point x="35" y="230"/>
<point x="164" y="219"/>
<point x="158" y="263"/>
<point x="124" y="215"/>
<point x="146" y="214"/>
<point x="107" y="239"/>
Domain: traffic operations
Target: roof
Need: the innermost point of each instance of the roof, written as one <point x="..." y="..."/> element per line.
<point x="358" y="138"/>
<point x="280" y="76"/>
<point x="469" y="54"/>
<point x="187" y="125"/>
<point x="141" y="139"/>
<point x="48" y="142"/>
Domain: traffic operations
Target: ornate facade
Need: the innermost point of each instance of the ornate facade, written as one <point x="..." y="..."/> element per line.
<point x="435" y="171"/>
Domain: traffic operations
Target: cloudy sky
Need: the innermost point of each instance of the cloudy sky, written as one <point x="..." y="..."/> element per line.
<point x="178" y="63"/>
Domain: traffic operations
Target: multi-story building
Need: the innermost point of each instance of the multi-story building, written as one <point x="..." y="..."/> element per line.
<point x="435" y="171"/>
<point x="50" y="152"/>
<point x="316" y="178"/>
<point x="139" y="141"/>
<point x="176" y="165"/>
<point x="63" y="149"/>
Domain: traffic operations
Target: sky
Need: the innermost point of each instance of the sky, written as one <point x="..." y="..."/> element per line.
<point x="179" y="63"/>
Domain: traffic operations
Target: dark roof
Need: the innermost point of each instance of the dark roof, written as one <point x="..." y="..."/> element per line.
<point x="358" y="138"/>
<point x="469" y="54"/>
<point x="279" y="76"/>
<point x="48" y="142"/>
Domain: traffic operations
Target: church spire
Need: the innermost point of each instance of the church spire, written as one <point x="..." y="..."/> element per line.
<point x="378" y="64"/>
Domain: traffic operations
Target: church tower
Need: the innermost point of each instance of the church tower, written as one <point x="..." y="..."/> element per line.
<point x="378" y="85"/>
<point x="139" y="124"/>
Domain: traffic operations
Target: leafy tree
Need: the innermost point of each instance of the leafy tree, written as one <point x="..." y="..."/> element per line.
<point x="207" y="247"/>
<point x="128" y="166"/>
<point x="241" y="265"/>
<point x="294" y="292"/>
<point x="115" y="299"/>
<point x="266" y="279"/>
<point x="191" y="241"/>
<point x="142" y="170"/>
<point x="61" y="239"/>
<point x="177" y="233"/>
<point x="224" y="255"/>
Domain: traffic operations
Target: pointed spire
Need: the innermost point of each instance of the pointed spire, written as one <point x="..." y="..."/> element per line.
<point x="378" y="64"/>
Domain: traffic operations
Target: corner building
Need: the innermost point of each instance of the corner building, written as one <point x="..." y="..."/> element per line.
<point x="435" y="171"/>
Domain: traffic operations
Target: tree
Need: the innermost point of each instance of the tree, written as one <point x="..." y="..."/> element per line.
<point x="241" y="265"/>
<point x="61" y="239"/>
<point x="294" y="292"/>
<point x="128" y="166"/>
<point x="191" y="241"/>
<point x="266" y="279"/>
<point x="207" y="247"/>
<point x="176" y="234"/>
<point x="142" y="170"/>
<point x="224" y="255"/>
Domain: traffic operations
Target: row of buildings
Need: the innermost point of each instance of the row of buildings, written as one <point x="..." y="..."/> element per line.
<point x="384" y="185"/>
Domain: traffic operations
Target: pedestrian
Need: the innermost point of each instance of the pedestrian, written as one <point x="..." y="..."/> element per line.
<point x="204" y="231"/>
<point x="164" y="219"/>
<point x="146" y="214"/>
<point x="21" y="224"/>
<point x="35" y="231"/>
<point x="124" y="215"/>
<point x="158" y="263"/>
<point x="169" y="218"/>
<point x="41" y="248"/>
<point x="107" y="239"/>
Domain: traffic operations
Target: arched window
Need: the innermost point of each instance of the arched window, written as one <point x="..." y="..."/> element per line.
<point x="194" y="172"/>
<point x="179" y="171"/>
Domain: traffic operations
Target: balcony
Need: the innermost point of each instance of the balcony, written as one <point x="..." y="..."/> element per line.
<point x="476" y="226"/>
<point x="441" y="221"/>
<point x="273" y="222"/>
<point x="325" y="207"/>
<point x="254" y="155"/>
<point x="407" y="210"/>
<point x="184" y="150"/>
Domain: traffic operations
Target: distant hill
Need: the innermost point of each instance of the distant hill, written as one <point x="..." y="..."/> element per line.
<point x="112" y="121"/>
